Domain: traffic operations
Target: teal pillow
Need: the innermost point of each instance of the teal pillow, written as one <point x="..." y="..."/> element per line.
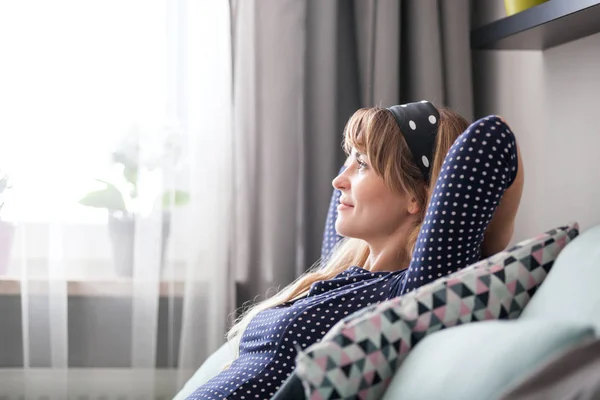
<point x="210" y="368"/>
<point x="480" y="360"/>
<point x="570" y="291"/>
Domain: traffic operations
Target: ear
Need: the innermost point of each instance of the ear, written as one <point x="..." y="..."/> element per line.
<point x="413" y="206"/>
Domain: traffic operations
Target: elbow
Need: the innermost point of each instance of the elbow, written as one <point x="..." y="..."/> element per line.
<point x="496" y="241"/>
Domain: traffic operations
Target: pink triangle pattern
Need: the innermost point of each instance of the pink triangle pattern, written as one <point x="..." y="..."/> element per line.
<point x="311" y="363"/>
<point x="511" y="287"/>
<point x="317" y="396"/>
<point x="480" y="287"/>
<point x="376" y="359"/>
<point x="368" y="376"/>
<point x="345" y="359"/>
<point x="404" y="347"/>
<point x="423" y="322"/>
<point x="496" y="268"/>
<point x="531" y="282"/>
<point x="440" y="312"/>
<point x="376" y="322"/>
<point x="538" y="256"/>
<point x="350" y="333"/>
<point x="363" y="394"/>
<point x="322" y="362"/>
<point x="464" y="309"/>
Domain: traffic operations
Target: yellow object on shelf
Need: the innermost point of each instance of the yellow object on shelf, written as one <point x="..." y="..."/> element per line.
<point x="516" y="6"/>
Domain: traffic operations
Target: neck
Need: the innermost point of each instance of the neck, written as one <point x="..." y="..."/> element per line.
<point x="389" y="253"/>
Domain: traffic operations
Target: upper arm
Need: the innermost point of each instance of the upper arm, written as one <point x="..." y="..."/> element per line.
<point x="500" y="230"/>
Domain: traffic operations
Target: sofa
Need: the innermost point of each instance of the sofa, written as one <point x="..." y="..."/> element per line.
<point x="484" y="360"/>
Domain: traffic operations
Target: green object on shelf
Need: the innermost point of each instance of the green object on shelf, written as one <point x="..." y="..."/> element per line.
<point x="516" y="6"/>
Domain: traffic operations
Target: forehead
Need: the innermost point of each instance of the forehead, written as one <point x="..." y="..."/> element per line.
<point x="356" y="132"/>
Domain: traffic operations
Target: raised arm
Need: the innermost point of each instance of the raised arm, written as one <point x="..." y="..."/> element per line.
<point x="477" y="172"/>
<point x="500" y="230"/>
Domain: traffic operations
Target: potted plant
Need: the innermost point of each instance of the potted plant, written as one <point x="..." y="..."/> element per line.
<point x="7" y="229"/>
<point x="120" y="197"/>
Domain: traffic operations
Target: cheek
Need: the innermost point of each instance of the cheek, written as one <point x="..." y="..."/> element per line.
<point x="380" y="202"/>
<point x="385" y="210"/>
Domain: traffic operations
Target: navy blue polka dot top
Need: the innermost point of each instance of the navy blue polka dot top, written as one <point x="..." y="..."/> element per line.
<point x="479" y="167"/>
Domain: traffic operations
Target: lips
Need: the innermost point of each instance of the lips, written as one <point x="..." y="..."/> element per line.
<point x="344" y="206"/>
<point x="345" y="203"/>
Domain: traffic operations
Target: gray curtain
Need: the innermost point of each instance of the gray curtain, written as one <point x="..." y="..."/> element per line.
<point x="301" y="68"/>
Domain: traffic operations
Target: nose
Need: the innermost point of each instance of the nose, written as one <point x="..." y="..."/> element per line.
<point x="341" y="182"/>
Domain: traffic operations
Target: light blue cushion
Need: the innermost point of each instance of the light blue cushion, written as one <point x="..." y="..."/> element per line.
<point x="571" y="290"/>
<point x="210" y="368"/>
<point x="479" y="360"/>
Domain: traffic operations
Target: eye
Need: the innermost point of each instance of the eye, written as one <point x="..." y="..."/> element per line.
<point x="358" y="157"/>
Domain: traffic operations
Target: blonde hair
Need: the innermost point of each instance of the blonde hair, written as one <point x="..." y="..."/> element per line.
<point x="375" y="133"/>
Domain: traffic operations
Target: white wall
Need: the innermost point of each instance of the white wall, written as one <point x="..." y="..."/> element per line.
<point x="551" y="100"/>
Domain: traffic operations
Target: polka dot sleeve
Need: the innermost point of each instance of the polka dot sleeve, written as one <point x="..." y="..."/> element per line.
<point x="479" y="167"/>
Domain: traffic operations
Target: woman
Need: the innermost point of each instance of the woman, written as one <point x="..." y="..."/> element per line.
<point x="401" y="231"/>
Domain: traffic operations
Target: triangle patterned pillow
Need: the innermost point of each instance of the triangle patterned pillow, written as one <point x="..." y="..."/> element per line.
<point x="358" y="357"/>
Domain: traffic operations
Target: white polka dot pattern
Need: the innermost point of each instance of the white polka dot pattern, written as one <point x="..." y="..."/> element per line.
<point x="269" y="345"/>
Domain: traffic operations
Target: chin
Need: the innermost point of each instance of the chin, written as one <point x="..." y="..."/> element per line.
<point x="339" y="228"/>
<point x="345" y="230"/>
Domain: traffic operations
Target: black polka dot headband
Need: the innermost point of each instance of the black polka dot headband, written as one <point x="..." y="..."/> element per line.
<point x="419" y="125"/>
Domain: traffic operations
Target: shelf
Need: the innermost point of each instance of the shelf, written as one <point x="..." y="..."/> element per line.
<point x="541" y="27"/>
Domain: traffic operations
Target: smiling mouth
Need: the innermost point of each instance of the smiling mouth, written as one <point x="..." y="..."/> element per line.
<point x="342" y="202"/>
<point x="344" y="206"/>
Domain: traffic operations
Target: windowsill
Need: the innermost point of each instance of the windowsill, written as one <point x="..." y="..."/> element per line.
<point x="122" y="287"/>
<point x="100" y="382"/>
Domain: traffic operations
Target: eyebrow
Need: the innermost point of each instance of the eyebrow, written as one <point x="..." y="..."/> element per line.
<point x="353" y="155"/>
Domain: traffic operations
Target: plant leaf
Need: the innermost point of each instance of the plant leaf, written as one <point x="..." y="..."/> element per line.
<point x="110" y="198"/>
<point x="4" y="183"/>
<point x="175" y="198"/>
<point x="131" y="174"/>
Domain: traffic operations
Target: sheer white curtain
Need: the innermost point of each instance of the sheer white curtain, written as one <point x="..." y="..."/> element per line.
<point x="115" y="132"/>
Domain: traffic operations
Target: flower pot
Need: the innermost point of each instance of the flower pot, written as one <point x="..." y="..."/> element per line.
<point x="7" y="235"/>
<point x="122" y="237"/>
<point x="516" y="6"/>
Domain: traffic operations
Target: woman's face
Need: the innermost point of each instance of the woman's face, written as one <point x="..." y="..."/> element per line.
<point x="368" y="209"/>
